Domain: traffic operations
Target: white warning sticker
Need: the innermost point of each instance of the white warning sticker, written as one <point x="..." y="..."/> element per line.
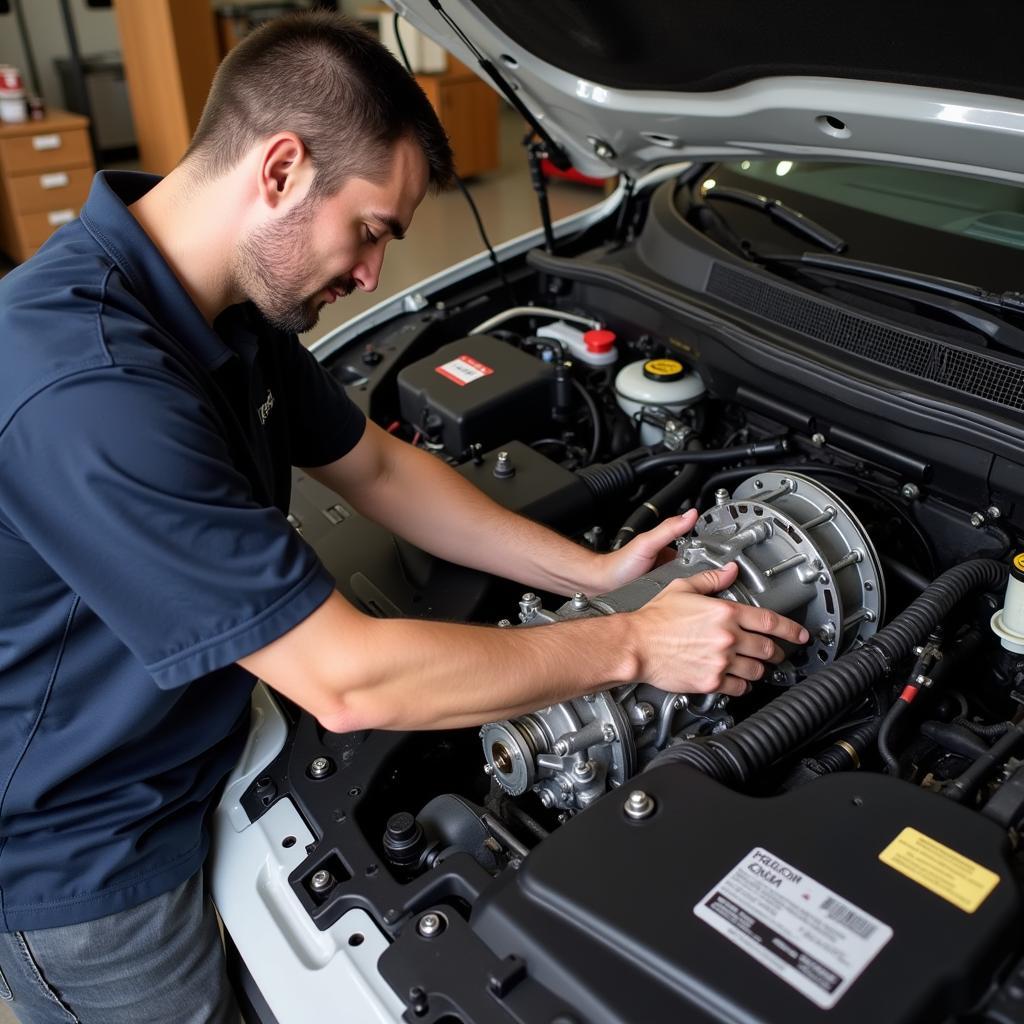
<point x="464" y="370"/>
<point x="803" y="932"/>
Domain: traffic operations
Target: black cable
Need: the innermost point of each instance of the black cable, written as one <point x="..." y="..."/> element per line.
<point x="595" y="417"/>
<point x="462" y="185"/>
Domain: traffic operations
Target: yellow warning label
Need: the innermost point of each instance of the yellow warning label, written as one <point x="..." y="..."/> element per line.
<point x="945" y="872"/>
<point x="1019" y="561"/>
<point x="663" y="367"/>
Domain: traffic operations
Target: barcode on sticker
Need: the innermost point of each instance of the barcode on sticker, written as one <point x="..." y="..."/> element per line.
<point x="842" y="914"/>
<point x="464" y="370"/>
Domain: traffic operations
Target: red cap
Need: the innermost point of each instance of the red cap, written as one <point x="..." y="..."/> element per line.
<point x="599" y="342"/>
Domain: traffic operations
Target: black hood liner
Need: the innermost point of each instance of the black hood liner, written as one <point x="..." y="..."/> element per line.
<point x="682" y="46"/>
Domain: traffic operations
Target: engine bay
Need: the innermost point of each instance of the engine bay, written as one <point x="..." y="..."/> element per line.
<point x="845" y="837"/>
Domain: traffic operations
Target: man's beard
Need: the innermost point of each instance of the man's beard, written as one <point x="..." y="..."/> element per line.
<point x="272" y="269"/>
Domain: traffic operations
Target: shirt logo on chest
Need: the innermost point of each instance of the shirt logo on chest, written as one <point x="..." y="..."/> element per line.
<point x="263" y="411"/>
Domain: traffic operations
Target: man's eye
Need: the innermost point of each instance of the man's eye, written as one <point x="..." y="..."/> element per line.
<point x="370" y="236"/>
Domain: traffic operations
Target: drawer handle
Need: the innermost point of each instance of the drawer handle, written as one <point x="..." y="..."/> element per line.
<point x="58" y="217"/>
<point x="46" y="142"/>
<point x="58" y="179"/>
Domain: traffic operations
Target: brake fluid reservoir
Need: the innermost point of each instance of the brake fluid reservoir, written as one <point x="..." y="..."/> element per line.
<point x="660" y="384"/>
<point x="1008" y="622"/>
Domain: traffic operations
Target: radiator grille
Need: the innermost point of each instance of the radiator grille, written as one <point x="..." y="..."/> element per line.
<point x="972" y="373"/>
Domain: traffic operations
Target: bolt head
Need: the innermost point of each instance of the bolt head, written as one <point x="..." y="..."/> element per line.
<point x="608" y="733"/>
<point x="504" y="624"/>
<point x="320" y="767"/>
<point x="818" y="440"/>
<point x="639" y="805"/>
<point x="910" y="491"/>
<point x="488" y="769"/>
<point x="977" y="519"/>
<point x="430" y="925"/>
<point x="321" y="881"/>
<point x="993" y="512"/>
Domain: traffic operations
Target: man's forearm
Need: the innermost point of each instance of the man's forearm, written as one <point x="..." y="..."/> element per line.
<point x="429" y="504"/>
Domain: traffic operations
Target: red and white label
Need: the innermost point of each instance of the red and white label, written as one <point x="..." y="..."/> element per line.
<point x="464" y="370"/>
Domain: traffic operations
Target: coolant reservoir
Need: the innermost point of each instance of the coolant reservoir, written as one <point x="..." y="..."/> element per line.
<point x="1008" y="622"/>
<point x="656" y="383"/>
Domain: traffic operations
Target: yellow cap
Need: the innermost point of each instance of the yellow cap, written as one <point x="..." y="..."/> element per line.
<point x="663" y="369"/>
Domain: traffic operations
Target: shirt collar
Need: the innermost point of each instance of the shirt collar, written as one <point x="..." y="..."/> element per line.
<point x="108" y="219"/>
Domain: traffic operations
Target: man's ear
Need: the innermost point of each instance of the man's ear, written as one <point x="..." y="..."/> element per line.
<point x="285" y="171"/>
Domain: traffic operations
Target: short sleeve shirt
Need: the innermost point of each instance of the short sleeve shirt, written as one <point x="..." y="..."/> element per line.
<point x="145" y="464"/>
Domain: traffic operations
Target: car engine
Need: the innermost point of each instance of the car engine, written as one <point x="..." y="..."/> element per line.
<point x="592" y="860"/>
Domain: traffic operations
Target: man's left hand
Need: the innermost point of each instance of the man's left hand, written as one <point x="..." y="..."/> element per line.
<point x="643" y="553"/>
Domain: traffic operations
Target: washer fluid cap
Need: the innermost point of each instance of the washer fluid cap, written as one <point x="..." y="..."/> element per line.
<point x="599" y="342"/>
<point x="664" y="370"/>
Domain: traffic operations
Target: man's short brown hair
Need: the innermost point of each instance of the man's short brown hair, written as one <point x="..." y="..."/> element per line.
<point x="330" y="82"/>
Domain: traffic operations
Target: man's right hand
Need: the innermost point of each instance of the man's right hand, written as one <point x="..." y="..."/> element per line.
<point x="689" y="642"/>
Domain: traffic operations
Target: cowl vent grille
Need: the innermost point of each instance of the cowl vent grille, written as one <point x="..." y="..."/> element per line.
<point x="973" y="373"/>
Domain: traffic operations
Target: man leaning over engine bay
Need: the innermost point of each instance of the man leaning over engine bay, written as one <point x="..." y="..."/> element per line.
<point x="153" y="402"/>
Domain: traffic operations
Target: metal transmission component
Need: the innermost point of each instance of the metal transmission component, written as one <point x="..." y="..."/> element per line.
<point x="800" y="552"/>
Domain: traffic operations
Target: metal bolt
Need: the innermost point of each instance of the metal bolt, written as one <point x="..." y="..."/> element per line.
<point x="638" y="805"/>
<point x="818" y="440"/>
<point x="320" y="767"/>
<point x="778" y="677"/>
<point x="503" y="467"/>
<point x="321" y="881"/>
<point x="644" y="712"/>
<point x="993" y="512"/>
<point x="504" y="623"/>
<point x="561" y="748"/>
<point x="608" y="731"/>
<point x="722" y="496"/>
<point x="911" y="492"/>
<point x="827" y="634"/>
<point x="580" y="601"/>
<point x="977" y="519"/>
<point x="488" y="769"/>
<point x="681" y="702"/>
<point x="430" y="925"/>
<point x="583" y="770"/>
<point x="924" y="682"/>
<point x="547" y="798"/>
<point x="722" y="700"/>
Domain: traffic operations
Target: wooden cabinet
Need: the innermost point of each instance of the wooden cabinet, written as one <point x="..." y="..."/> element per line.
<point x="468" y="109"/>
<point x="46" y="170"/>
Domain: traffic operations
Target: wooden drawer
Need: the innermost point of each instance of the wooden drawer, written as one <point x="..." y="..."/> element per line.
<point x="47" y="151"/>
<point x="51" y="190"/>
<point x="35" y="228"/>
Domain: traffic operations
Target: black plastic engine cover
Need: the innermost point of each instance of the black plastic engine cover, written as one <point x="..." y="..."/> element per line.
<point x="603" y="911"/>
<point x="478" y="391"/>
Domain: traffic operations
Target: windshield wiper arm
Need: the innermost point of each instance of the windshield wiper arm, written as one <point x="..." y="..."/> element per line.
<point x="955" y="298"/>
<point x="1003" y="302"/>
<point x="783" y="215"/>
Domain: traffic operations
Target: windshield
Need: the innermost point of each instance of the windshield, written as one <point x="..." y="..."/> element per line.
<point x="986" y="210"/>
<point x="945" y="225"/>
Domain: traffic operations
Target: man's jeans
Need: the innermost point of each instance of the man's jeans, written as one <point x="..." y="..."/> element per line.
<point x="158" y="963"/>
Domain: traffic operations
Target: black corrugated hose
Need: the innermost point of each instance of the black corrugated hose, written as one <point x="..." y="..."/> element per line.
<point x="793" y="718"/>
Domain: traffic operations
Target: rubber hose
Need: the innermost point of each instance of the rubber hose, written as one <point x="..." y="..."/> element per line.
<point x="802" y="711"/>
<point x="662" y="503"/>
<point x="712" y="455"/>
<point x="894" y="715"/>
<point x="989" y="732"/>
<point x="964" y="787"/>
<point x="836" y="757"/>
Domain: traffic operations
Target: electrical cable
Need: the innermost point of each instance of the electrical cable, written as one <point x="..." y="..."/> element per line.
<point x="595" y="418"/>
<point x="462" y="185"/>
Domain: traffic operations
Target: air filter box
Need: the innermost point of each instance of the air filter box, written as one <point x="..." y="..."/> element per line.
<point x="478" y="391"/>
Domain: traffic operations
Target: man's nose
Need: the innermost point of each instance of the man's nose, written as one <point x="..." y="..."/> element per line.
<point x="367" y="274"/>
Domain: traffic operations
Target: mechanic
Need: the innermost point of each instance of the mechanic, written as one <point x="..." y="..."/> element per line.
<point x="153" y="401"/>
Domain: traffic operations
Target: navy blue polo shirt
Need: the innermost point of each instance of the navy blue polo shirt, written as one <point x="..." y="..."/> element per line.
<point x="144" y="481"/>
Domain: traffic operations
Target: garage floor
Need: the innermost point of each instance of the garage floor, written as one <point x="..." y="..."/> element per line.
<point x="444" y="232"/>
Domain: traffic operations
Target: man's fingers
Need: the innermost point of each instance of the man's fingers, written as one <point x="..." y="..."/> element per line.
<point x="762" y="620"/>
<point x="746" y="668"/>
<point x="734" y="686"/>
<point x="651" y="542"/>
<point x="712" y="581"/>
<point x="755" y="645"/>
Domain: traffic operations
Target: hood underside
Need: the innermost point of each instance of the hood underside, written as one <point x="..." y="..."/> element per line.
<point x="657" y="81"/>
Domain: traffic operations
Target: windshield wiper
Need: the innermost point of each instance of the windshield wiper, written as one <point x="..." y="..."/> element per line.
<point x="785" y="216"/>
<point x="1003" y="302"/>
<point x="956" y="299"/>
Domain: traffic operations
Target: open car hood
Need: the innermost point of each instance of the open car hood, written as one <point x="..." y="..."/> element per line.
<point x="629" y="87"/>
